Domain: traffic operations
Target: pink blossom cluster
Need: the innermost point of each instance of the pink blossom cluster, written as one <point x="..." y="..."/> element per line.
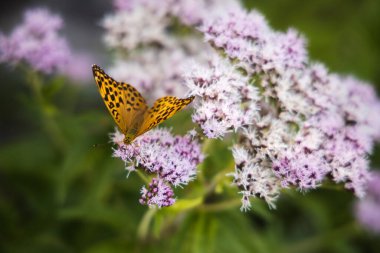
<point x="153" y="55"/>
<point x="367" y="209"/>
<point x="247" y="37"/>
<point x="227" y="101"/>
<point x="297" y="124"/>
<point x="158" y="194"/>
<point x="171" y="159"/>
<point x="312" y="125"/>
<point x="337" y="134"/>
<point x="189" y="12"/>
<point x="158" y="72"/>
<point x="37" y="42"/>
<point x="152" y="52"/>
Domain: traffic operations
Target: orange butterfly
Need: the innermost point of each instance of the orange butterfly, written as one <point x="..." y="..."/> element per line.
<point x="129" y="109"/>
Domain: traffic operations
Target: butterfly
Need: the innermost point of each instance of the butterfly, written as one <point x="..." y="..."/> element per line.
<point x="130" y="110"/>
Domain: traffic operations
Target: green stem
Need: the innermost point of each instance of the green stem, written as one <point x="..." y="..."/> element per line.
<point x="221" y="206"/>
<point x="142" y="176"/>
<point x="205" y="146"/>
<point x="50" y="125"/>
<point x="143" y="229"/>
<point x="218" y="177"/>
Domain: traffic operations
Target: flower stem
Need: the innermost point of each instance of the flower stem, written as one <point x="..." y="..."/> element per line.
<point x="205" y="146"/>
<point x="221" y="206"/>
<point x="143" y="229"/>
<point x="142" y="176"/>
<point x="218" y="177"/>
<point x="48" y="122"/>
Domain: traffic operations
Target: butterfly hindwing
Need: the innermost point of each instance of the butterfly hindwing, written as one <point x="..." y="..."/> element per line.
<point x="123" y="101"/>
<point x="163" y="109"/>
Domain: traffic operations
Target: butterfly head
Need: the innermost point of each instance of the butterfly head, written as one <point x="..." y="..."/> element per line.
<point x="128" y="138"/>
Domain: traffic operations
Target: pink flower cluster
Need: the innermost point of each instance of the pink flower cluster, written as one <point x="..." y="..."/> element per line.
<point x="368" y="209"/>
<point x="172" y="159"/>
<point x="152" y="53"/>
<point x="189" y="12"/>
<point x="337" y="134"/>
<point x="157" y="72"/>
<point x="297" y="124"/>
<point x="226" y="101"/>
<point x="36" y="41"/>
<point x="311" y="124"/>
<point x="246" y="36"/>
<point x="158" y="194"/>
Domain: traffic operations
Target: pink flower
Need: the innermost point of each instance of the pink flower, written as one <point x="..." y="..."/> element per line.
<point x="173" y="159"/>
<point x="368" y="209"/>
<point x="247" y="37"/>
<point x="158" y="194"/>
<point x="226" y="101"/>
<point x="311" y="124"/>
<point x="189" y="12"/>
<point x="296" y="124"/>
<point x="37" y="42"/>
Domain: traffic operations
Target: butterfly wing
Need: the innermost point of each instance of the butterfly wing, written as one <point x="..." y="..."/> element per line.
<point x="163" y="109"/>
<point x="123" y="101"/>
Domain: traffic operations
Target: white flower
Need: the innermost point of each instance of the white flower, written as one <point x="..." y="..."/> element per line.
<point x="128" y="30"/>
<point x="223" y="95"/>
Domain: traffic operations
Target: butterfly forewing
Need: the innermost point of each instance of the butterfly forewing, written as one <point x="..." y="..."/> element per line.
<point x="123" y="101"/>
<point x="163" y="109"/>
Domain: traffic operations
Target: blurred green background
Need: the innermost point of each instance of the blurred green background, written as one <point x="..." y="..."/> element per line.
<point x="63" y="195"/>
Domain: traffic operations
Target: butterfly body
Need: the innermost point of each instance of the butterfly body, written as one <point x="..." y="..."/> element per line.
<point x="129" y="109"/>
<point x="128" y="138"/>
